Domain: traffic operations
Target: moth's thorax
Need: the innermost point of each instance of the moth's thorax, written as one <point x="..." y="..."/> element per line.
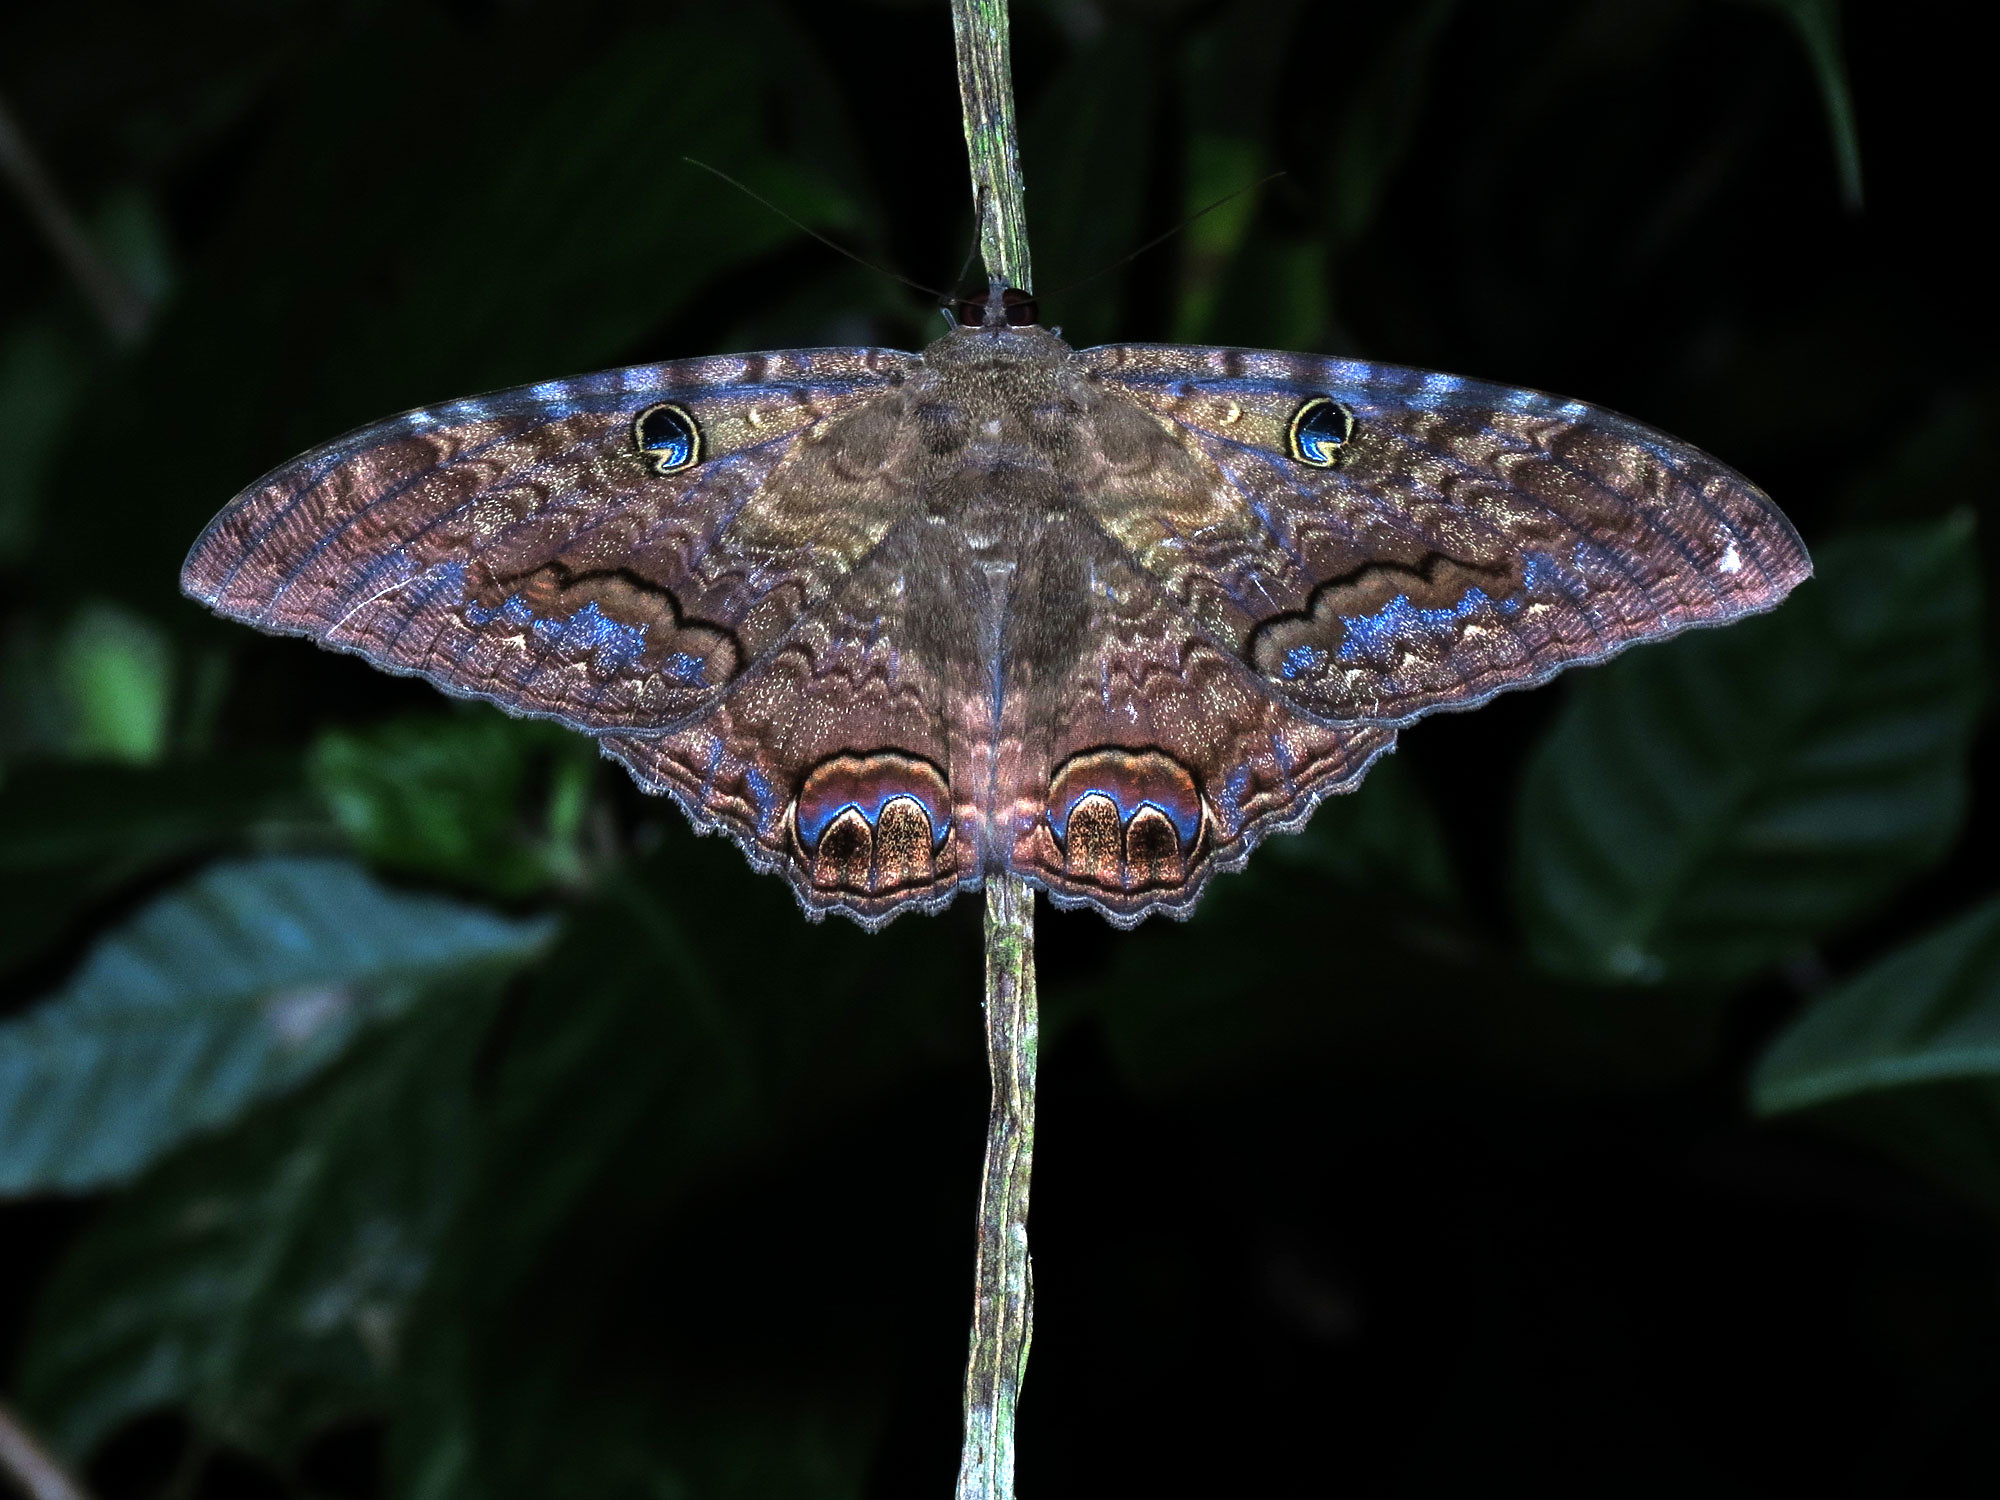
<point x="999" y="414"/>
<point x="1006" y="395"/>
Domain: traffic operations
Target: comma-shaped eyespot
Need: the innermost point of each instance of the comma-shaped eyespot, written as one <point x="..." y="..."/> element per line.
<point x="1320" y="432"/>
<point x="1125" y="820"/>
<point x="668" y="436"/>
<point x="869" y="825"/>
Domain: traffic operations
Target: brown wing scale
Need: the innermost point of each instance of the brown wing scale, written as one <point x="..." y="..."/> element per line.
<point x="1466" y="538"/>
<point x="521" y="548"/>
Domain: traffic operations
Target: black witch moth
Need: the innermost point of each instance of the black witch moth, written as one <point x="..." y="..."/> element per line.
<point x="896" y="622"/>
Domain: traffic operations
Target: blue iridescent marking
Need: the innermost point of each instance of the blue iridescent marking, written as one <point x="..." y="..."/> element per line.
<point x="668" y="434"/>
<point x="1186" y="821"/>
<point x="870" y="808"/>
<point x="682" y="667"/>
<point x="1367" y="634"/>
<point x="1320" y="431"/>
<point x="613" y="647"/>
<point x="1544" y="574"/>
<point x="761" y="789"/>
<point x="1301" y="660"/>
<point x="1230" y="803"/>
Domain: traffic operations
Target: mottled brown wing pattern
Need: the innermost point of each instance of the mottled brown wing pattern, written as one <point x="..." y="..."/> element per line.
<point x="897" y="622"/>
<point x="843" y="759"/>
<point x="1157" y="758"/>
<point x="521" y="548"/>
<point x="1465" y="538"/>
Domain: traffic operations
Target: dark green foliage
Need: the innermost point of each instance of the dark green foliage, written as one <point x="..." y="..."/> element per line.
<point x="263" y="1280"/>
<point x="394" y="1102"/>
<point x="446" y="797"/>
<point x="1907" y="1053"/>
<point x="228" y="989"/>
<point x="1706" y="809"/>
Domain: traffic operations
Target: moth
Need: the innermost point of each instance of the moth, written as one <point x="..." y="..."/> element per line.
<point x="1104" y="618"/>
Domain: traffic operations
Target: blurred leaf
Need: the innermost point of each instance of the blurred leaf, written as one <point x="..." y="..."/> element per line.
<point x="1088" y="149"/>
<point x="717" y="1436"/>
<point x="261" y="1280"/>
<point x="1384" y="836"/>
<point x="1274" y="295"/>
<point x="560" y="241"/>
<point x="236" y="986"/>
<point x="1346" y="953"/>
<point x="473" y="797"/>
<point x="1378" y="120"/>
<point x="137" y="244"/>
<point x="1906" y="1055"/>
<point x="71" y="833"/>
<point x="698" y="1039"/>
<point x="1818" y="25"/>
<point x="1218" y="165"/>
<point x="698" y="1047"/>
<point x="117" y="674"/>
<point x="1707" y="807"/>
<point x="100" y="689"/>
<point x="44" y="365"/>
<point x="1228" y="75"/>
<point x="1929" y="1011"/>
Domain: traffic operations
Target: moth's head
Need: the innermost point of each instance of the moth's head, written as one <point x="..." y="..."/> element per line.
<point x="1000" y="306"/>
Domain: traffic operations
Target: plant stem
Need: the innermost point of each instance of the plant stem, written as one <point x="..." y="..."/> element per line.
<point x="119" y="306"/>
<point x="34" y="1471"/>
<point x="986" y="94"/>
<point x="1003" y="1308"/>
<point x="1003" y="1296"/>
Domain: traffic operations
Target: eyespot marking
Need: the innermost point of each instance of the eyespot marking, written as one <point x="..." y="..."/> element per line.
<point x="1320" y="432"/>
<point x="872" y="824"/>
<point x="1127" y="820"/>
<point x="668" y="436"/>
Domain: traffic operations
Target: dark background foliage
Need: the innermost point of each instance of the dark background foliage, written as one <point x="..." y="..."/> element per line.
<point x="394" y="1101"/>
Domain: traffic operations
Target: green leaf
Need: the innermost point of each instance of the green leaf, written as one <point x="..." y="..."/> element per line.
<point x="473" y="797"/>
<point x="1378" y="121"/>
<point x="562" y="243"/>
<point x="1228" y="79"/>
<point x="1401" y="980"/>
<point x="101" y="688"/>
<point x="1817" y="23"/>
<point x="261" y="1280"/>
<point x="1383" y="837"/>
<point x="1706" y="808"/>
<point x="43" y="368"/>
<point x="715" y="1028"/>
<point x="1928" y="1012"/>
<point x="1906" y="1056"/>
<point x="1087" y="149"/>
<point x="235" y="986"/>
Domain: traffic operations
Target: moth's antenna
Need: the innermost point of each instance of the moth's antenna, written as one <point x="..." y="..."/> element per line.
<point x="972" y="249"/>
<point x="838" y="249"/>
<point x="1164" y="236"/>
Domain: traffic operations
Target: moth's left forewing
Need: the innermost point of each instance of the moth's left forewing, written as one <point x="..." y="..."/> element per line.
<point x="608" y="550"/>
<point x="1427" y="541"/>
<point x="835" y="760"/>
